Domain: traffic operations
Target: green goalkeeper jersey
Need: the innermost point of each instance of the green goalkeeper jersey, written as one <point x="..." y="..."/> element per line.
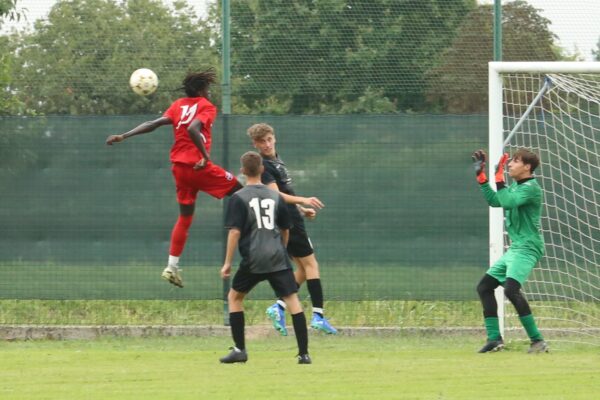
<point x="522" y="204"/>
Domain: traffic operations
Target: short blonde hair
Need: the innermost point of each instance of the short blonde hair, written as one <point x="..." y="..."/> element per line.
<point x="251" y="162"/>
<point x="259" y="131"/>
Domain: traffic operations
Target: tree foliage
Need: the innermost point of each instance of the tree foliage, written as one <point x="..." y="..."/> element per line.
<point x="326" y="56"/>
<point x="288" y="56"/>
<point x="8" y="9"/>
<point x="80" y="59"/>
<point x="459" y="84"/>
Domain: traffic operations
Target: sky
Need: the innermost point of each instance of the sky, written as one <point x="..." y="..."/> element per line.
<point x="576" y="22"/>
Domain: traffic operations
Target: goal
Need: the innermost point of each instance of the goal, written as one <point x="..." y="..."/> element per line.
<point x="553" y="108"/>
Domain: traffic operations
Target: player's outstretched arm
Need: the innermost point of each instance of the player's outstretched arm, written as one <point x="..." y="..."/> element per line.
<point x="313" y="202"/>
<point x="144" y="127"/>
<point x="309" y="213"/>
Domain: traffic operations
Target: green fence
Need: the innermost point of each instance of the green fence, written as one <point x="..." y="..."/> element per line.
<point x="403" y="216"/>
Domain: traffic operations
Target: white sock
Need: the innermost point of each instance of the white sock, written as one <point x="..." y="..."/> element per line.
<point x="173" y="260"/>
<point x="318" y="310"/>
<point x="281" y="304"/>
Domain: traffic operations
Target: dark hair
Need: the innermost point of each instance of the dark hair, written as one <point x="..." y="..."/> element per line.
<point x="251" y="162"/>
<point x="195" y="82"/>
<point x="527" y="157"/>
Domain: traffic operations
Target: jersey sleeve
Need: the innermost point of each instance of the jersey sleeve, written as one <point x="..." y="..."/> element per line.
<point x="525" y="193"/>
<point x="490" y="195"/>
<point x="169" y="112"/>
<point x="236" y="213"/>
<point x="283" y="218"/>
<point x="267" y="176"/>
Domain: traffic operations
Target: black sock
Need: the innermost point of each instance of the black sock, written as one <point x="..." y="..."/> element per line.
<point x="299" y="321"/>
<point x="316" y="292"/>
<point x="237" y="322"/>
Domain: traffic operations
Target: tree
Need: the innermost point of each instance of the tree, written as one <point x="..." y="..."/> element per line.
<point x="80" y="59"/>
<point x="329" y="56"/>
<point x="9" y="104"/>
<point x="596" y="52"/>
<point x="8" y="8"/>
<point x="459" y="84"/>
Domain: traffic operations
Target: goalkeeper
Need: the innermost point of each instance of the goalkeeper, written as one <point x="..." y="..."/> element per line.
<point x="522" y="204"/>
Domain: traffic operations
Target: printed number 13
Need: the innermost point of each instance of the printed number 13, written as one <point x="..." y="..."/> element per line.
<point x="265" y="212"/>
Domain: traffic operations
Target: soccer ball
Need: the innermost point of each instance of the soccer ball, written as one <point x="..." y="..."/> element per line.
<point x="143" y="81"/>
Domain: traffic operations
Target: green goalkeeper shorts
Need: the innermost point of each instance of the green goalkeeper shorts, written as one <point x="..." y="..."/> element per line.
<point x="516" y="264"/>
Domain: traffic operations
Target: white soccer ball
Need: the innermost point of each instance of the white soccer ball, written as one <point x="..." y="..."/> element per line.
<point x="143" y="81"/>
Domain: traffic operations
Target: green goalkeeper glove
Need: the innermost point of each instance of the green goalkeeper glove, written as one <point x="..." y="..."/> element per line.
<point x="479" y="158"/>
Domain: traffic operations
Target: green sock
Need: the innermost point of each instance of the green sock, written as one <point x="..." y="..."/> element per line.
<point x="531" y="328"/>
<point x="492" y="327"/>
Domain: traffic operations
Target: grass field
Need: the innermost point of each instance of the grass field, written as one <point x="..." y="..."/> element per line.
<point x="403" y="367"/>
<point x="207" y="312"/>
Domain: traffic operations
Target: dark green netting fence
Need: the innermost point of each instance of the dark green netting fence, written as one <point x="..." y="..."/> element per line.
<point x="81" y="220"/>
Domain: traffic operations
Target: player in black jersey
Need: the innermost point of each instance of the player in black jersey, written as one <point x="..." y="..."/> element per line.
<point x="259" y="221"/>
<point x="276" y="176"/>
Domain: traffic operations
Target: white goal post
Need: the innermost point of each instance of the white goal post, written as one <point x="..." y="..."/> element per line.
<point x="553" y="108"/>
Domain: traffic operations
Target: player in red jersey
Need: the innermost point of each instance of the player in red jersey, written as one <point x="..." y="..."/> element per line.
<point x="192" y="118"/>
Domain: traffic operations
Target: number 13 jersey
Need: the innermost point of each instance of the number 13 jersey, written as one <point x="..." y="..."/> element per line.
<point x="259" y="213"/>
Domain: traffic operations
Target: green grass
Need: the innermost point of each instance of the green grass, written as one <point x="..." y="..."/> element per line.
<point x="403" y="367"/>
<point x="205" y="312"/>
<point x="376" y="313"/>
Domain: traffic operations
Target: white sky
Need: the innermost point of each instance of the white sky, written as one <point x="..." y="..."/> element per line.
<point x="576" y="22"/>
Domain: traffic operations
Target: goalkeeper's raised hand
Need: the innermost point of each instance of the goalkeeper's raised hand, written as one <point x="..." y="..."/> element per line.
<point x="479" y="158"/>
<point x="500" y="168"/>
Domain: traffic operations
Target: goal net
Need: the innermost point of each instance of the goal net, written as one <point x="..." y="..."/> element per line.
<point x="554" y="109"/>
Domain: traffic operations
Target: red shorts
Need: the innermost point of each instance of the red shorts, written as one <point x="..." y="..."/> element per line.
<point x="211" y="179"/>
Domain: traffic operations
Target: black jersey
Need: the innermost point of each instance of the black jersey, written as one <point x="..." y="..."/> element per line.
<point x="276" y="171"/>
<point x="259" y="213"/>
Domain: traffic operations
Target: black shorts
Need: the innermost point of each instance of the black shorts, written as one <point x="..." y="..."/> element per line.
<point x="299" y="244"/>
<point x="282" y="282"/>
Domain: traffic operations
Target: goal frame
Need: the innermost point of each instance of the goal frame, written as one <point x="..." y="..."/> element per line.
<point x="496" y="140"/>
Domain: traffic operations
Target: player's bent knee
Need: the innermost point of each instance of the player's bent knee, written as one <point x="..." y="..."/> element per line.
<point x="512" y="290"/>
<point x="487" y="285"/>
<point x="293" y="303"/>
<point x="235" y="298"/>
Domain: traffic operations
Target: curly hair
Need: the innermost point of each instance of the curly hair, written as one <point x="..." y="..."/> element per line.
<point x="259" y="131"/>
<point x="195" y="82"/>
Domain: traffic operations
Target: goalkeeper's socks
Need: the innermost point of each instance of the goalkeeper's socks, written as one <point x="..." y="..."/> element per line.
<point x="492" y="327"/>
<point x="531" y="328"/>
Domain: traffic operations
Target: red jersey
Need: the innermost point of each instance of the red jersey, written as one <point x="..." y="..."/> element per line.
<point x="181" y="113"/>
